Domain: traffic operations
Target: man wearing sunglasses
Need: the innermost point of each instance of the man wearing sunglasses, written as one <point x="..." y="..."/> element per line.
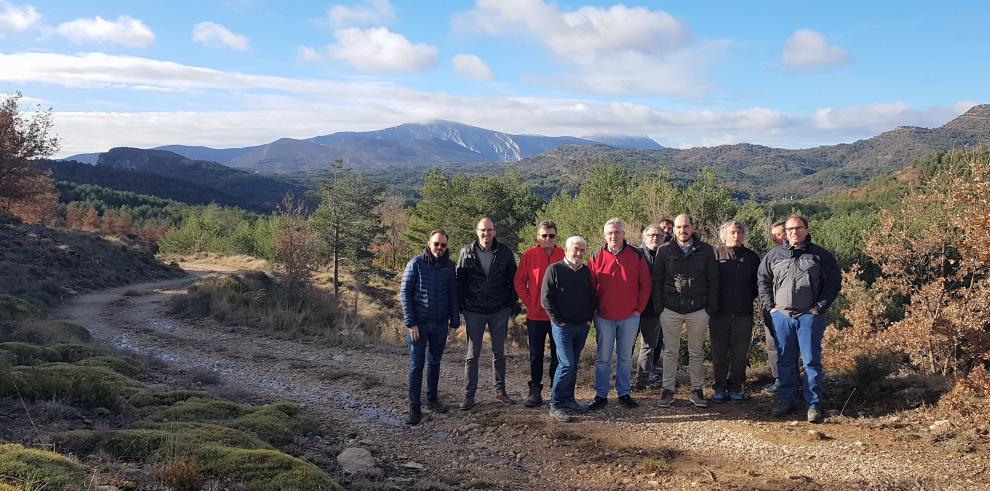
<point x="485" y="272"/>
<point x="528" y="280"/>
<point x="429" y="306"/>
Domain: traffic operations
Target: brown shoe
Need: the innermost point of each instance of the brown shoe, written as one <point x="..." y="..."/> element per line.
<point x="504" y="398"/>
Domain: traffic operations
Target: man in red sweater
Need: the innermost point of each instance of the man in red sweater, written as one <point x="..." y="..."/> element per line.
<point x="623" y="285"/>
<point x="528" y="279"/>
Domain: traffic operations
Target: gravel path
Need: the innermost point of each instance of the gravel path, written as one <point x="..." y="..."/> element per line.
<point x="359" y="393"/>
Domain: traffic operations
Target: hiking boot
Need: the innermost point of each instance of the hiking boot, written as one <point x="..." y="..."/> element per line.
<point x="504" y="398"/>
<point x="772" y="388"/>
<point x="815" y="415"/>
<point x="598" y="403"/>
<point x="415" y="416"/>
<point x="535" y="397"/>
<point x="698" y="398"/>
<point x="666" y="398"/>
<point x="737" y="396"/>
<point x="437" y="407"/>
<point x="780" y="409"/>
<point x="560" y="415"/>
<point x="720" y="396"/>
<point x="573" y="405"/>
<point x="628" y="401"/>
<point x="467" y="403"/>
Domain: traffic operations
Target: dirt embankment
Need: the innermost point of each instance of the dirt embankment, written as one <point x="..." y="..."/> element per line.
<point x="358" y="392"/>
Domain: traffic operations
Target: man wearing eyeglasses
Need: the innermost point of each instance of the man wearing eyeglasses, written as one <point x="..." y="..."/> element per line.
<point x="528" y="280"/>
<point x="798" y="281"/>
<point x="429" y="306"/>
<point x="485" y="272"/>
<point x="649" y="320"/>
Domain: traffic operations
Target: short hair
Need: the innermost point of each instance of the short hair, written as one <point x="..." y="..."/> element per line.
<point x="437" y="231"/>
<point x="547" y="224"/>
<point x="575" y="239"/>
<point x="666" y="220"/>
<point x="652" y="225"/>
<point x="804" y="220"/>
<point x="723" y="229"/>
<point x="778" y="223"/>
<point x="615" y="221"/>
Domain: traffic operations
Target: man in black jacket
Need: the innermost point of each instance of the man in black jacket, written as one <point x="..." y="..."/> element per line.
<point x="731" y="326"/>
<point x="798" y="281"/>
<point x="485" y="271"/>
<point x="649" y="321"/>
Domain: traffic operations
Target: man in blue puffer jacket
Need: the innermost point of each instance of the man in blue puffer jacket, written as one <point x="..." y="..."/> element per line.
<point x="429" y="306"/>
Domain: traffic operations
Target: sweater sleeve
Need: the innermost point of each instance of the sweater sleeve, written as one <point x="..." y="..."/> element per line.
<point x="455" y="312"/>
<point x="711" y="279"/>
<point x="407" y="292"/>
<point x="832" y="282"/>
<point x="659" y="275"/>
<point x="764" y="282"/>
<point x="644" y="286"/>
<point x="548" y="295"/>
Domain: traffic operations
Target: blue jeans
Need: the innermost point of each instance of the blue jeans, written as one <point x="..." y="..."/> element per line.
<point x="619" y="337"/>
<point x="799" y="335"/>
<point x="569" y="340"/>
<point x="428" y="350"/>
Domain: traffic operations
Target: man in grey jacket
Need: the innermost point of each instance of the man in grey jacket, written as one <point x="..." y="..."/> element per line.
<point x="798" y="281"/>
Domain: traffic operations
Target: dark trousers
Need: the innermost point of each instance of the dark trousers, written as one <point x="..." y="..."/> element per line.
<point x="498" y="325"/>
<point x="651" y="346"/>
<point x="731" y="335"/>
<point x="538" y="332"/>
<point x="771" y="344"/>
<point x="427" y="351"/>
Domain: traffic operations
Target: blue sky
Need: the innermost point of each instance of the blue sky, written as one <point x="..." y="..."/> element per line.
<point x="230" y="73"/>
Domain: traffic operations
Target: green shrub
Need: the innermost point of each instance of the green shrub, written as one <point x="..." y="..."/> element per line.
<point x="201" y="409"/>
<point x="82" y="386"/>
<point x="123" y="366"/>
<point x="27" y="468"/>
<point x="144" y="400"/>
<point x="263" y="469"/>
<point x="277" y="423"/>
<point x="44" y="332"/>
<point x="19" y="354"/>
<point x="155" y="442"/>
<point x="13" y="308"/>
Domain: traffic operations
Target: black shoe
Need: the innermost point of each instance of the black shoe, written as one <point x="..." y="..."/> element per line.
<point x="535" y="397"/>
<point x="666" y="398"/>
<point x="437" y="407"/>
<point x="628" y="401"/>
<point x="415" y="416"/>
<point x="598" y="403"/>
<point x="573" y="405"/>
<point x="466" y="404"/>
<point x="698" y="398"/>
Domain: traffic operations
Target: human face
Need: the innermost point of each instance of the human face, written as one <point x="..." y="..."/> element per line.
<point x="486" y="233"/>
<point x="546" y="238"/>
<point x="614" y="235"/>
<point x="734" y="237"/>
<point x="576" y="252"/>
<point x="683" y="229"/>
<point x="651" y="238"/>
<point x="796" y="231"/>
<point x="667" y="228"/>
<point x="437" y="244"/>
<point x="777" y="234"/>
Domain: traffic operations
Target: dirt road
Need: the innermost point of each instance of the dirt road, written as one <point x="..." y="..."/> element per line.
<point x="359" y="394"/>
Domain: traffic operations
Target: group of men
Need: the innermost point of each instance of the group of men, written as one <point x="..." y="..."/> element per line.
<point x="673" y="282"/>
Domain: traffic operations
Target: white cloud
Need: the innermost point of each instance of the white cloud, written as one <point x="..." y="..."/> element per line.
<point x="126" y="31"/>
<point x="369" y="12"/>
<point x="471" y="66"/>
<point x="17" y="18"/>
<point x="616" y="50"/>
<point x="213" y="34"/>
<point x="378" y="49"/>
<point x="808" y="49"/>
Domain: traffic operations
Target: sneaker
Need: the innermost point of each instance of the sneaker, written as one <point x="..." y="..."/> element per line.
<point x="437" y="407"/>
<point x="560" y="415"/>
<point x="466" y="404"/>
<point x="698" y="398"/>
<point x="628" y="401"/>
<point x="737" y="396"/>
<point x="573" y="405"/>
<point x="720" y="396"/>
<point x="771" y="388"/>
<point x="781" y="409"/>
<point x="504" y="398"/>
<point x="598" y="403"/>
<point x="535" y="398"/>
<point x="666" y="398"/>
<point x="815" y="415"/>
<point x="415" y="416"/>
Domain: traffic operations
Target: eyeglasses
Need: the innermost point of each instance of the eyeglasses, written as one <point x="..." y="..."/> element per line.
<point x="792" y="229"/>
<point x="486" y="230"/>
<point x="548" y="236"/>
<point x="442" y="245"/>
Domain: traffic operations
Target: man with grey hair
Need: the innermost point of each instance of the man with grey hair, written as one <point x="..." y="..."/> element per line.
<point x="649" y="321"/>
<point x="777" y="236"/>
<point x="731" y="325"/>
<point x="568" y="296"/>
<point x="623" y="286"/>
<point x="685" y="293"/>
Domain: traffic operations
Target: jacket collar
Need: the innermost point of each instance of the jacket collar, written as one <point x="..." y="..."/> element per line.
<point x="430" y="258"/>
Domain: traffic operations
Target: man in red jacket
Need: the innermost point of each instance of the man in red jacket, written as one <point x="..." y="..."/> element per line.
<point x="623" y="285"/>
<point x="528" y="279"/>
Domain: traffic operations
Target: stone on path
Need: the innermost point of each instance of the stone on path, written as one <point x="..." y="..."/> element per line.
<point x="356" y="460"/>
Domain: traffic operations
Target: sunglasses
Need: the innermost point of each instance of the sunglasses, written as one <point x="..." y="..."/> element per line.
<point x="548" y="236"/>
<point x="442" y="245"/>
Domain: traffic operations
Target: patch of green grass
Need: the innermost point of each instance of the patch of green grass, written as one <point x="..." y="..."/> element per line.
<point x="262" y="469"/>
<point x="123" y="366"/>
<point x="13" y="308"/>
<point x="655" y="465"/>
<point x="201" y="409"/>
<point x="145" y="400"/>
<point x="44" y="332"/>
<point x="277" y="423"/>
<point x="20" y="353"/>
<point x="82" y="386"/>
<point x="32" y="469"/>
<point x="155" y="442"/>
